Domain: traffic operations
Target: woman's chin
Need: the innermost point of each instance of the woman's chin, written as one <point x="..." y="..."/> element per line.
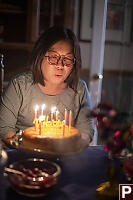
<point x="58" y="81"/>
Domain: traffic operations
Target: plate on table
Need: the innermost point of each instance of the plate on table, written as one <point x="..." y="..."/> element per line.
<point x="17" y="142"/>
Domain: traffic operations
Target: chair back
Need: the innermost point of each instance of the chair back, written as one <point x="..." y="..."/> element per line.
<point x="1" y="73"/>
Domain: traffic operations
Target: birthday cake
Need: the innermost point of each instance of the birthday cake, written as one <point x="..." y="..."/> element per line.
<point x="52" y="135"/>
<point x="56" y="139"/>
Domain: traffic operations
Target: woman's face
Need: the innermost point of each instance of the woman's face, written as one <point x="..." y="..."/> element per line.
<point x="57" y="63"/>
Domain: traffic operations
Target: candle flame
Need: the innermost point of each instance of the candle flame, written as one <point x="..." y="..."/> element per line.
<point x="43" y="107"/>
<point x="41" y="118"/>
<point x="53" y="109"/>
<point x="36" y="108"/>
<point x="57" y="112"/>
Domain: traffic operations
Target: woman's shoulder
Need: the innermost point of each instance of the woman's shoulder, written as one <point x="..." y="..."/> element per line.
<point x="20" y="84"/>
<point x="23" y="78"/>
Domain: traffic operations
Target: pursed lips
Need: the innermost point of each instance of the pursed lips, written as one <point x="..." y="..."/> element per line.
<point x="58" y="75"/>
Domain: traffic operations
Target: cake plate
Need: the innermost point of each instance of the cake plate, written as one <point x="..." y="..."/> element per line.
<point x="17" y="142"/>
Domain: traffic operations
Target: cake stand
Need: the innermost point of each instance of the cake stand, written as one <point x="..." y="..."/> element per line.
<point x="17" y="142"/>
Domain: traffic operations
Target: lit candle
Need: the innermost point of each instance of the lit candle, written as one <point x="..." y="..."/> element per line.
<point x="36" y="122"/>
<point x="51" y="116"/>
<point x="35" y="117"/>
<point x="52" y="112"/>
<point x="57" y="113"/>
<point x="65" y="116"/>
<point x="70" y="118"/>
<point x="47" y="118"/>
<point x="36" y="109"/>
<point x="63" y="122"/>
<point x="40" y="128"/>
<point x="43" y="107"/>
<point x="41" y="118"/>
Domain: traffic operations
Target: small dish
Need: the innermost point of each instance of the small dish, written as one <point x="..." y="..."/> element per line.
<point x="29" y="185"/>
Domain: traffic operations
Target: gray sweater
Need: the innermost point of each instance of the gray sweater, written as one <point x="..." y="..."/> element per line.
<point x="21" y="95"/>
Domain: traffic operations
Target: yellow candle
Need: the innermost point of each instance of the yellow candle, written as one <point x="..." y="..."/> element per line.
<point x="47" y="118"/>
<point x="40" y="128"/>
<point x="57" y="113"/>
<point x="35" y="117"/>
<point x="63" y="128"/>
<point x="36" y="124"/>
<point x="44" y="118"/>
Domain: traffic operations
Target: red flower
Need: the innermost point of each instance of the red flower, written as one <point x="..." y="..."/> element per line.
<point x="117" y="133"/>
<point x="106" y="148"/>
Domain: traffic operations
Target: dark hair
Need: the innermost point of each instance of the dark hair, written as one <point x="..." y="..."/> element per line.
<point x="46" y="40"/>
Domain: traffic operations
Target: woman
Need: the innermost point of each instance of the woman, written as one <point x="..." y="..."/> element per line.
<point x="53" y="81"/>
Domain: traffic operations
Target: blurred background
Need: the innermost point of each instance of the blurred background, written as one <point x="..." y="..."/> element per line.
<point x="105" y="32"/>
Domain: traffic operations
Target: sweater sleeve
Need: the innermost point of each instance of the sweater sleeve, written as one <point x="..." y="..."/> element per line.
<point x="9" y="107"/>
<point x="84" y="123"/>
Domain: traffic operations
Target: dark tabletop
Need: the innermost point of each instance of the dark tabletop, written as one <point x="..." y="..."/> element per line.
<point x="81" y="175"/>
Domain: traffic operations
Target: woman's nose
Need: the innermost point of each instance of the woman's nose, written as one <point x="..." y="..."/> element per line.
<point x="60" y="64"/>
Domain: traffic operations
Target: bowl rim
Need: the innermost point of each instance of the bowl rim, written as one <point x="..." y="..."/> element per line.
<point x="58" y="171"/>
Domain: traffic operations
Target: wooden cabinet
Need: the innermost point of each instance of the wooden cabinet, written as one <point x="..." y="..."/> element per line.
<point x="21" y="23"/>
<point x="13" y="19"/>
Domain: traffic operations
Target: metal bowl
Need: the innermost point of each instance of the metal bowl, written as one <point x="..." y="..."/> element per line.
<point x="33" y="168"/>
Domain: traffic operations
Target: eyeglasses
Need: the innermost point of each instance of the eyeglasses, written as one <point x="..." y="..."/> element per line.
<point x="54" y="60"/>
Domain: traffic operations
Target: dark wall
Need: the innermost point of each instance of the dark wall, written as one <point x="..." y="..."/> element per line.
<point x="15" y="61"/>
